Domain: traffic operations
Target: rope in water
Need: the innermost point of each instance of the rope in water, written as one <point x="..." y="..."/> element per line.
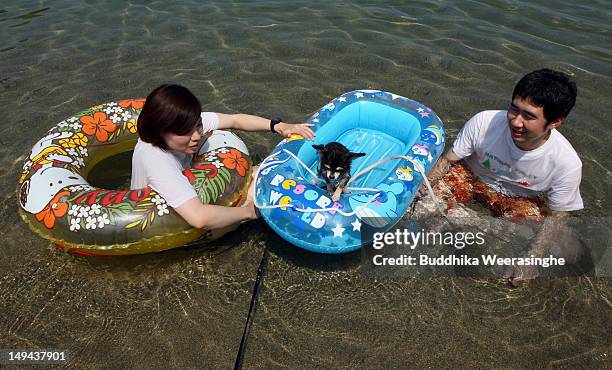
<point x="258" y="279"/>
<point x="264" y="258"/>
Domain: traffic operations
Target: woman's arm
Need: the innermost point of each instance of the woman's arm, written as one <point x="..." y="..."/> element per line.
<point x="208" y="216"/>
<point x="248" y="122"/>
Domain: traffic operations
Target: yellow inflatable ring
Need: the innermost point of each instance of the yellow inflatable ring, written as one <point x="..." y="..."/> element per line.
<point x="58" y="204"/>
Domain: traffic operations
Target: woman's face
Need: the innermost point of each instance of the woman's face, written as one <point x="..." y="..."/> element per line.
<point x="188" y="144"/>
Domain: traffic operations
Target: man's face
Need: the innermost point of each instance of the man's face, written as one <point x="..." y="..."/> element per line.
<point x="528" y="126"/>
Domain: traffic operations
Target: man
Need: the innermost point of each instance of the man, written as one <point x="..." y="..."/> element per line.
<point x="519" y="152"/>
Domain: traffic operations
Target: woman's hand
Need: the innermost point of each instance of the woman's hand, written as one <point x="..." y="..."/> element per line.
<point x="252" y="211"/>
<point x="288" y="129"/>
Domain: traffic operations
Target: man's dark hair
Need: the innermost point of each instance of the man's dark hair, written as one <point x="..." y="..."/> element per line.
<point x="168" y="109"/>
<point x="552" y="90"/>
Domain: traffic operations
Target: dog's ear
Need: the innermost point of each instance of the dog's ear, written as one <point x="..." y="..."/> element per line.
<point x="318" y="147"/>
<point x="356" y="155"/>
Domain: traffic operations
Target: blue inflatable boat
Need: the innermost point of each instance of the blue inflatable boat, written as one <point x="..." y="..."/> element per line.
<point x="401" y="138"/>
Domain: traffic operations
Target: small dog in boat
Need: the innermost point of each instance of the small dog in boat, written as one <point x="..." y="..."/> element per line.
<point x="335" y="167"/>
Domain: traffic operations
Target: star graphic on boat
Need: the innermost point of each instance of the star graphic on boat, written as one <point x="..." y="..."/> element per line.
<point x="315" y="120"/>
<point x="420" y="110"/>
<point x="359" y="95"/>
<point x="424" y="114"/>
<point x="356" y="225"/>
<point x="394" y="96"/>
<point x="342" y="99"/>
<point x="338" y="230"/>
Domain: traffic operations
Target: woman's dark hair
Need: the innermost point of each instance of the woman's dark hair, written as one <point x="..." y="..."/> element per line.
<point x="552" y="90"/>
<point x="168" y="109"/>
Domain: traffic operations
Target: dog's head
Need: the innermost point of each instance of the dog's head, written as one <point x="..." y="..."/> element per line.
<point x="335" y="160"/>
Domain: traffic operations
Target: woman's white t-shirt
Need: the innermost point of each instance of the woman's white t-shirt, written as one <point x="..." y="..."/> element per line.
<point x="162" y="170"/>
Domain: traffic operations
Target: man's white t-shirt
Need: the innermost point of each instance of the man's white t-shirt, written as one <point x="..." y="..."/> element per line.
<point x="553" y="168"/>
<point x="162" y="170"/>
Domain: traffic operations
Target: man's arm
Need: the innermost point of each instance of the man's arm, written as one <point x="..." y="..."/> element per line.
<point x="554" y="238"/>
<point x="560" y="213"/>
<point x="440" y="168"/>
<point x="551" y="230"/>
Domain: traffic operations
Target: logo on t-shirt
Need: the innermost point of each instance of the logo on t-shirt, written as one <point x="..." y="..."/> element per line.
<point x="503" y="168"/>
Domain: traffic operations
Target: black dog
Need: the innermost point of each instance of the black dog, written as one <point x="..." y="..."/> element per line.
<point x="335" y="167"/>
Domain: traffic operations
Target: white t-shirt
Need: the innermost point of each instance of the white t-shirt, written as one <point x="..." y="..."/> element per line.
<point x="163" y="170"/>
<point x="553" y="168"/>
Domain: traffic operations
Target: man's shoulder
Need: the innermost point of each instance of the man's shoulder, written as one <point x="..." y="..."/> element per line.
<point x="487" y="118"/>
<point x="490" y="113"/>
<point x="563" y="152"/>
<point x="492" y="116"/>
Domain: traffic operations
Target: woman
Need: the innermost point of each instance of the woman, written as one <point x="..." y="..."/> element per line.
<point x="171" y="127"/>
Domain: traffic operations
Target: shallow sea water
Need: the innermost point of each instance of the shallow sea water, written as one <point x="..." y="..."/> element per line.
<point x="186" y="308"/>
